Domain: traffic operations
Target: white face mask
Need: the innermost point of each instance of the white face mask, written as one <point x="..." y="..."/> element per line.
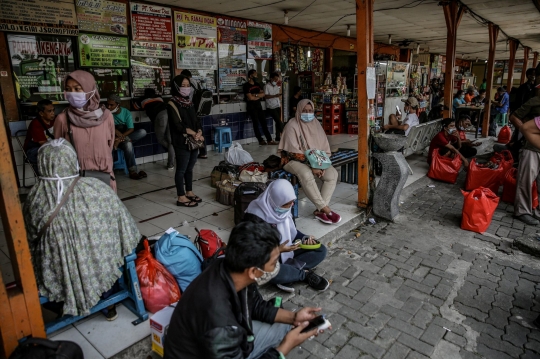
<point x="78" y="99"/>
<point x="451" y="130"/>
<point x="116" y="109"/>
<point x="267" y="276"/>
<point x="274" y="83"/>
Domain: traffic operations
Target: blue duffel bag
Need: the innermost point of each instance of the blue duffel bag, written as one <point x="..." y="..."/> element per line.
<point x="178" y="254"/>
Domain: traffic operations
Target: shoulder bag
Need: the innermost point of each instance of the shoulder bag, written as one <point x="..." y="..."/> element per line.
<point x="191" y="143"/>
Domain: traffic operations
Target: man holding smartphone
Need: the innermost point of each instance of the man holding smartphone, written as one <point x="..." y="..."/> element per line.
<point x="223" y="315"/>
<point x="411" y="119"/>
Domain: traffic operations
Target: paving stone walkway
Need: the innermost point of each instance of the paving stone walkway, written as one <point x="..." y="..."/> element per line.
<point x="423" y="288"/>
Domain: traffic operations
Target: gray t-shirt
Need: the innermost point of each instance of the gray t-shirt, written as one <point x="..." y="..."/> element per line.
<point x="412" y="120"/>
<point x="527" y="112"/>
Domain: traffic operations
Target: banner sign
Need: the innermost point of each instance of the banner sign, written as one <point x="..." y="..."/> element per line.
<point x="151" y="23"/>
<point x="196" y="42"/>
<point x="151" y="49"/>
<point x="259" y="40"/>
<point x="103" y="51"/>
<point x="102" y="16"/>
<point x="231" y="31"/>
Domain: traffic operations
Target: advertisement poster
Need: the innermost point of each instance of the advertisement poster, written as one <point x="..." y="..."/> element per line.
<point x="232" y="66"/>
<point x="40" y="63"/>
<point x="151" y="49"/>
<point x="196" y="42"/>
<point x="231" y="31"/>
<point x="111" y="81"/>
<point x="195" y="25"/>
<point x="206" y="78"/>
<point x="103" y="51"/>
<point x="259" y="40"/>
<point x="150" y="72"/>
<point x="151" y="22"/>
<point x="103" y="16"/>
<point x="48" y="17"/>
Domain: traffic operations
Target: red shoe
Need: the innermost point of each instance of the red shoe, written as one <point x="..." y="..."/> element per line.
<point x="321" y="216"/>
<point x="336" y="218"/>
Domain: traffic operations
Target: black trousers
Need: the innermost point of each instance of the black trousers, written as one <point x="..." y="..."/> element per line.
<point x="275" y="113"/>
<point x="183" y="178"/>
<point x="256" y="113"/>
<point x="468" y="151"/>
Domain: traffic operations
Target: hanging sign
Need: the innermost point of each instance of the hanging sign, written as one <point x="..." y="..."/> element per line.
<point x="49" y="17"/>
<point x="259" y="40"/>
<point x="231" y="31"/>
<point x="102" y="16"/>
<point x="151" y="49"/>
<point x="103" y="51"/>
<point x="196" y="42"/>
<point x="151" y="22"/>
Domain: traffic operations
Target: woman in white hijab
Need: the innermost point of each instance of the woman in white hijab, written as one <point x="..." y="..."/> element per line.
<point x="274" y="207"/>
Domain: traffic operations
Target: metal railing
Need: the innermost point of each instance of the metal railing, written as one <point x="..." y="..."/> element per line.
<point x="420" y="137"/>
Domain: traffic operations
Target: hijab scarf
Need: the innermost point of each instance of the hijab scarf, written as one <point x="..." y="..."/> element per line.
<point x="175" y="90"/>
<point x="299" y="136"/>
<point x="92" y="114"/>
<point x="278" y="193"/>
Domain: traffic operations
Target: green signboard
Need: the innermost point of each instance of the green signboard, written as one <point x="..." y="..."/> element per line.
<point x="103" y="51"/>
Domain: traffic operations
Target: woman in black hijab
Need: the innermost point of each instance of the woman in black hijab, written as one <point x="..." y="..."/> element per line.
<point x="183" y="122"/>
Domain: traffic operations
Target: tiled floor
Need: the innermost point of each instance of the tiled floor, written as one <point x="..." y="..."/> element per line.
<point x="152" y="202"/>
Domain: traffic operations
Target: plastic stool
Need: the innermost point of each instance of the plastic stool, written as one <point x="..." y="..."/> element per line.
<point x="501" y="119"/>
<point x="120" y="162"/>
<point x="222" y="138"/>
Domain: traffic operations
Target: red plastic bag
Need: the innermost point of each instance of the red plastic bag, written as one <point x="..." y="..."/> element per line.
<point x="505" y="135"/>
<point x="478" y="209"/>
<point x="509" y="188"/>
<point x="158" y="287"/>
<point x="444" y="169"/>
<point x="478" y="176"/>
<point x="505" y="159"/>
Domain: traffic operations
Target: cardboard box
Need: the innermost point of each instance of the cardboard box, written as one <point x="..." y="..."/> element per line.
<point x="159" y="325"/>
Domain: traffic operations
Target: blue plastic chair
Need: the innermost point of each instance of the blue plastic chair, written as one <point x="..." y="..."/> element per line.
<point x="120" y="162"/>
<point x="222" y="138"/>
<point x="129" y="294"/>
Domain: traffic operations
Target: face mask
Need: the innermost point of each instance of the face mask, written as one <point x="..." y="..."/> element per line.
<point x="451" y="130"/>
<point x="462" y="128"/>
<point x="116" y="109"/>
<point x="78" y="99"/>
<point x="267" y="276"/>
<point x="274" y="83"/>
<point x="185" y="91"/>
<point x="307" y="117"/>
<point x="462" y="97"/>
<point x="280" y="210"/>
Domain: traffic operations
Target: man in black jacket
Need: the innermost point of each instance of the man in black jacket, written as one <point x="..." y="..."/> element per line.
<point x="525" y="92"/>
<point x="222" y="314"/>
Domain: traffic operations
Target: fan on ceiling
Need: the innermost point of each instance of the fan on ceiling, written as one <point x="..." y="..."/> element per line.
<point x="405" y="43"/>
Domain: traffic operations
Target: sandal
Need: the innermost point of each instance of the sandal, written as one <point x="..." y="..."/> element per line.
<point x="143" y="174"/>
<point x="186" y="204"/>
<point x="135" y="176"/>
<point x="195" y="199"/>
<point x="204" y="157"/>
<point x="262" y="143"/>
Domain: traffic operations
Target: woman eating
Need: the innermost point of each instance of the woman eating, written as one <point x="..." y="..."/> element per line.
<point x="302" y="133"/>
<point x="273" y="206"/>
<point x="76" y="258"/>
<point x="88" y="125"/>
<point x="183" y="123"/>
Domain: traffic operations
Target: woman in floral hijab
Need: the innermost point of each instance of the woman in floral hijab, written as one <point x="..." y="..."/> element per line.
<point x="78" y="257"/>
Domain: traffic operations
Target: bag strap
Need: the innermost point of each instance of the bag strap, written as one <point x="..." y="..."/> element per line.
<point x="45" y="128"/>
<point x="42" y="342"/>
<point x="57" y="209"/>
<point x="170" y="103"/>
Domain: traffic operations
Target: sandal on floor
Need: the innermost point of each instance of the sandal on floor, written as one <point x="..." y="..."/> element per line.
<point x="186" y="204"/>
<point x="204" y="157"/>
<point x="135" y="176"/>
<point x="143" y="174"/>
<point x="195" y="199"/>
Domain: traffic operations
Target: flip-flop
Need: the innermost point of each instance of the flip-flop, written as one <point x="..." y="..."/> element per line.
<point x="135" y="176"/>
<point x="143" y="174"/>
<point x="195" y="199"/>
<point x="186" y="204"/>
<point x="203" y="157"/>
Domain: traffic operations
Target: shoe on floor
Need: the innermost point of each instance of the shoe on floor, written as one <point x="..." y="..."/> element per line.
<point x="111" y="314"/>
<point x="262" y="143"/>
<point x="273" y="143"/>
<point x="135" y="176"/>
<point x="336" y="218"/>
<point x="321" y="216"/>
<point x="316" y="281"/>
<point x="528" y="219"/>
<point x="286" y="287"/>
<point x="170" y="168"/>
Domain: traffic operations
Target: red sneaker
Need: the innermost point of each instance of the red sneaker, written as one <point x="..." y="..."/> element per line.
<point x="336" y="218"/>
<point x="321" y="216"/>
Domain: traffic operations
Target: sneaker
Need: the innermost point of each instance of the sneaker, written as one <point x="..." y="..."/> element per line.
<point x="316" y="281"/>
<point x="321" y="216"/>
<point x="528" y="219"/>
<point x="262" y="143"/>
<point x="336" y="218"/>
<point x="286" y="287"/>
<point x="170" y="168"/>
<point x="111" y="314"/>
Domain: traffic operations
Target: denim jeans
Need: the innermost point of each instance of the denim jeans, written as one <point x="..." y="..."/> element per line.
<point x="32" y="155"/>
<point x="290" y="274"/>
<point x="267" y="336"/>
<point x="127" y="147"/>
<point x="185" y="161"/>
<point x="256" y="113"/>
<point x="163" y="135"/>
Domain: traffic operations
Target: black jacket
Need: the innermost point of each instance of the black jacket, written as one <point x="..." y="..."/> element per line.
<point x="188" y="119"/>
<point x="213" y="321"/>
<point x="151" y="105"/>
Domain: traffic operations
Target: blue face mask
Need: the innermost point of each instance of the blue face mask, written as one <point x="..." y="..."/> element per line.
<point x="280" y="210"/>
<point x="307" y="117"/>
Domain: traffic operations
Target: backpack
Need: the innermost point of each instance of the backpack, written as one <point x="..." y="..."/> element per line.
<point x="221" y="172"/>
<point x="41" y="348"/>
<point x="208" y="242"/>
<point x="220" y="253"/>
<point x="243" y="195"/>
<point x="202" y="100"/>
<point x="176" y="252"/>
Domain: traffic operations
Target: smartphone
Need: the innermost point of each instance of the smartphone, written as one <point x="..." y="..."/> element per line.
<point x="398" y="110"/>
<point x="317" y="322"/>
<point x="297" y="242"/>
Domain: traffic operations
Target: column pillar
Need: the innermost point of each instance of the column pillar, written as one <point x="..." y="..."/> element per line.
<point x="526" y="51"/>
<point x="493" y="34"/>
<point x="535" y="59"/>
<point x="512" y="46"/>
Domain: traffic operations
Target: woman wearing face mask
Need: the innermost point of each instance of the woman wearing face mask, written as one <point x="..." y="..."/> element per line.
<point x="91" y="124"/>
<point x="302" y="133"/>
<point x="183" y="122"/>
<point x="459" y="101"/>
<point x="467" y="148"/>
<point x="274" y="207"/>
<point x="449" y="138"/>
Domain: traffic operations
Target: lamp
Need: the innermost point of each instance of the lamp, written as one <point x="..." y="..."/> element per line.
<point x="348" y="30"/>
<point x="286" y="17"/>
<point x="309" y="52"/>
<point x="389" y="39"/>
<point x="418" y="48"/>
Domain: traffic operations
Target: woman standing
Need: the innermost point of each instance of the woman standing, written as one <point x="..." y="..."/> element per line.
<point x="302" y="133"/>
<point x="91" y="124"/>
<point x="183" y="122"/>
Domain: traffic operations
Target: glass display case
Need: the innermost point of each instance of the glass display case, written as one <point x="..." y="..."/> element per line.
<point x="397" y="87"/>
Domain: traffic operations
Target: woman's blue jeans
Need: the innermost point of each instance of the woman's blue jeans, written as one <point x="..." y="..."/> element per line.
<point x="291" y="274"/>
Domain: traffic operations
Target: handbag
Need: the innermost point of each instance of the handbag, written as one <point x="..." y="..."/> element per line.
<point x="253" y="176"/>
<point x="316" y="158"/>
<point x="191" y="143"/>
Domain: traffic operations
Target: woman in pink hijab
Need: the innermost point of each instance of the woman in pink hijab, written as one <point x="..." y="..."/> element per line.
<point x="91" y="124"/>
<point x="302" y="133"/>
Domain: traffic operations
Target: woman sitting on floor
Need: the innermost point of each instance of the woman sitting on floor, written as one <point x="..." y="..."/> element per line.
<point x="448" y="137"/>
<point x="467" y="148"/>
<point x="274" y="207"/>
<point x="77" y="257"/>
<point x="302" y="133"/>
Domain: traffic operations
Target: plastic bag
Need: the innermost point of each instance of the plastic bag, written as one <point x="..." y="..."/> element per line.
<point x="504" y="135"/>
<point x="505" y="159"/>
<point x="158" y="287"/>
<point x="478" y="176"/>
<point x="238" y="156"/>
<point x="444" y="169"/>
<point x="478" y="209"/>
<point x="509" y="188"/>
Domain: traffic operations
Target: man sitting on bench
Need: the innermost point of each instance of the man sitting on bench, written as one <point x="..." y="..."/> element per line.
<point x="411" y="119"/>
<point x="39" y="131"/>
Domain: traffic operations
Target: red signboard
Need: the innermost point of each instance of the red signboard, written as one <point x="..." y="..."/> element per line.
<point x="151" y="23"/>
